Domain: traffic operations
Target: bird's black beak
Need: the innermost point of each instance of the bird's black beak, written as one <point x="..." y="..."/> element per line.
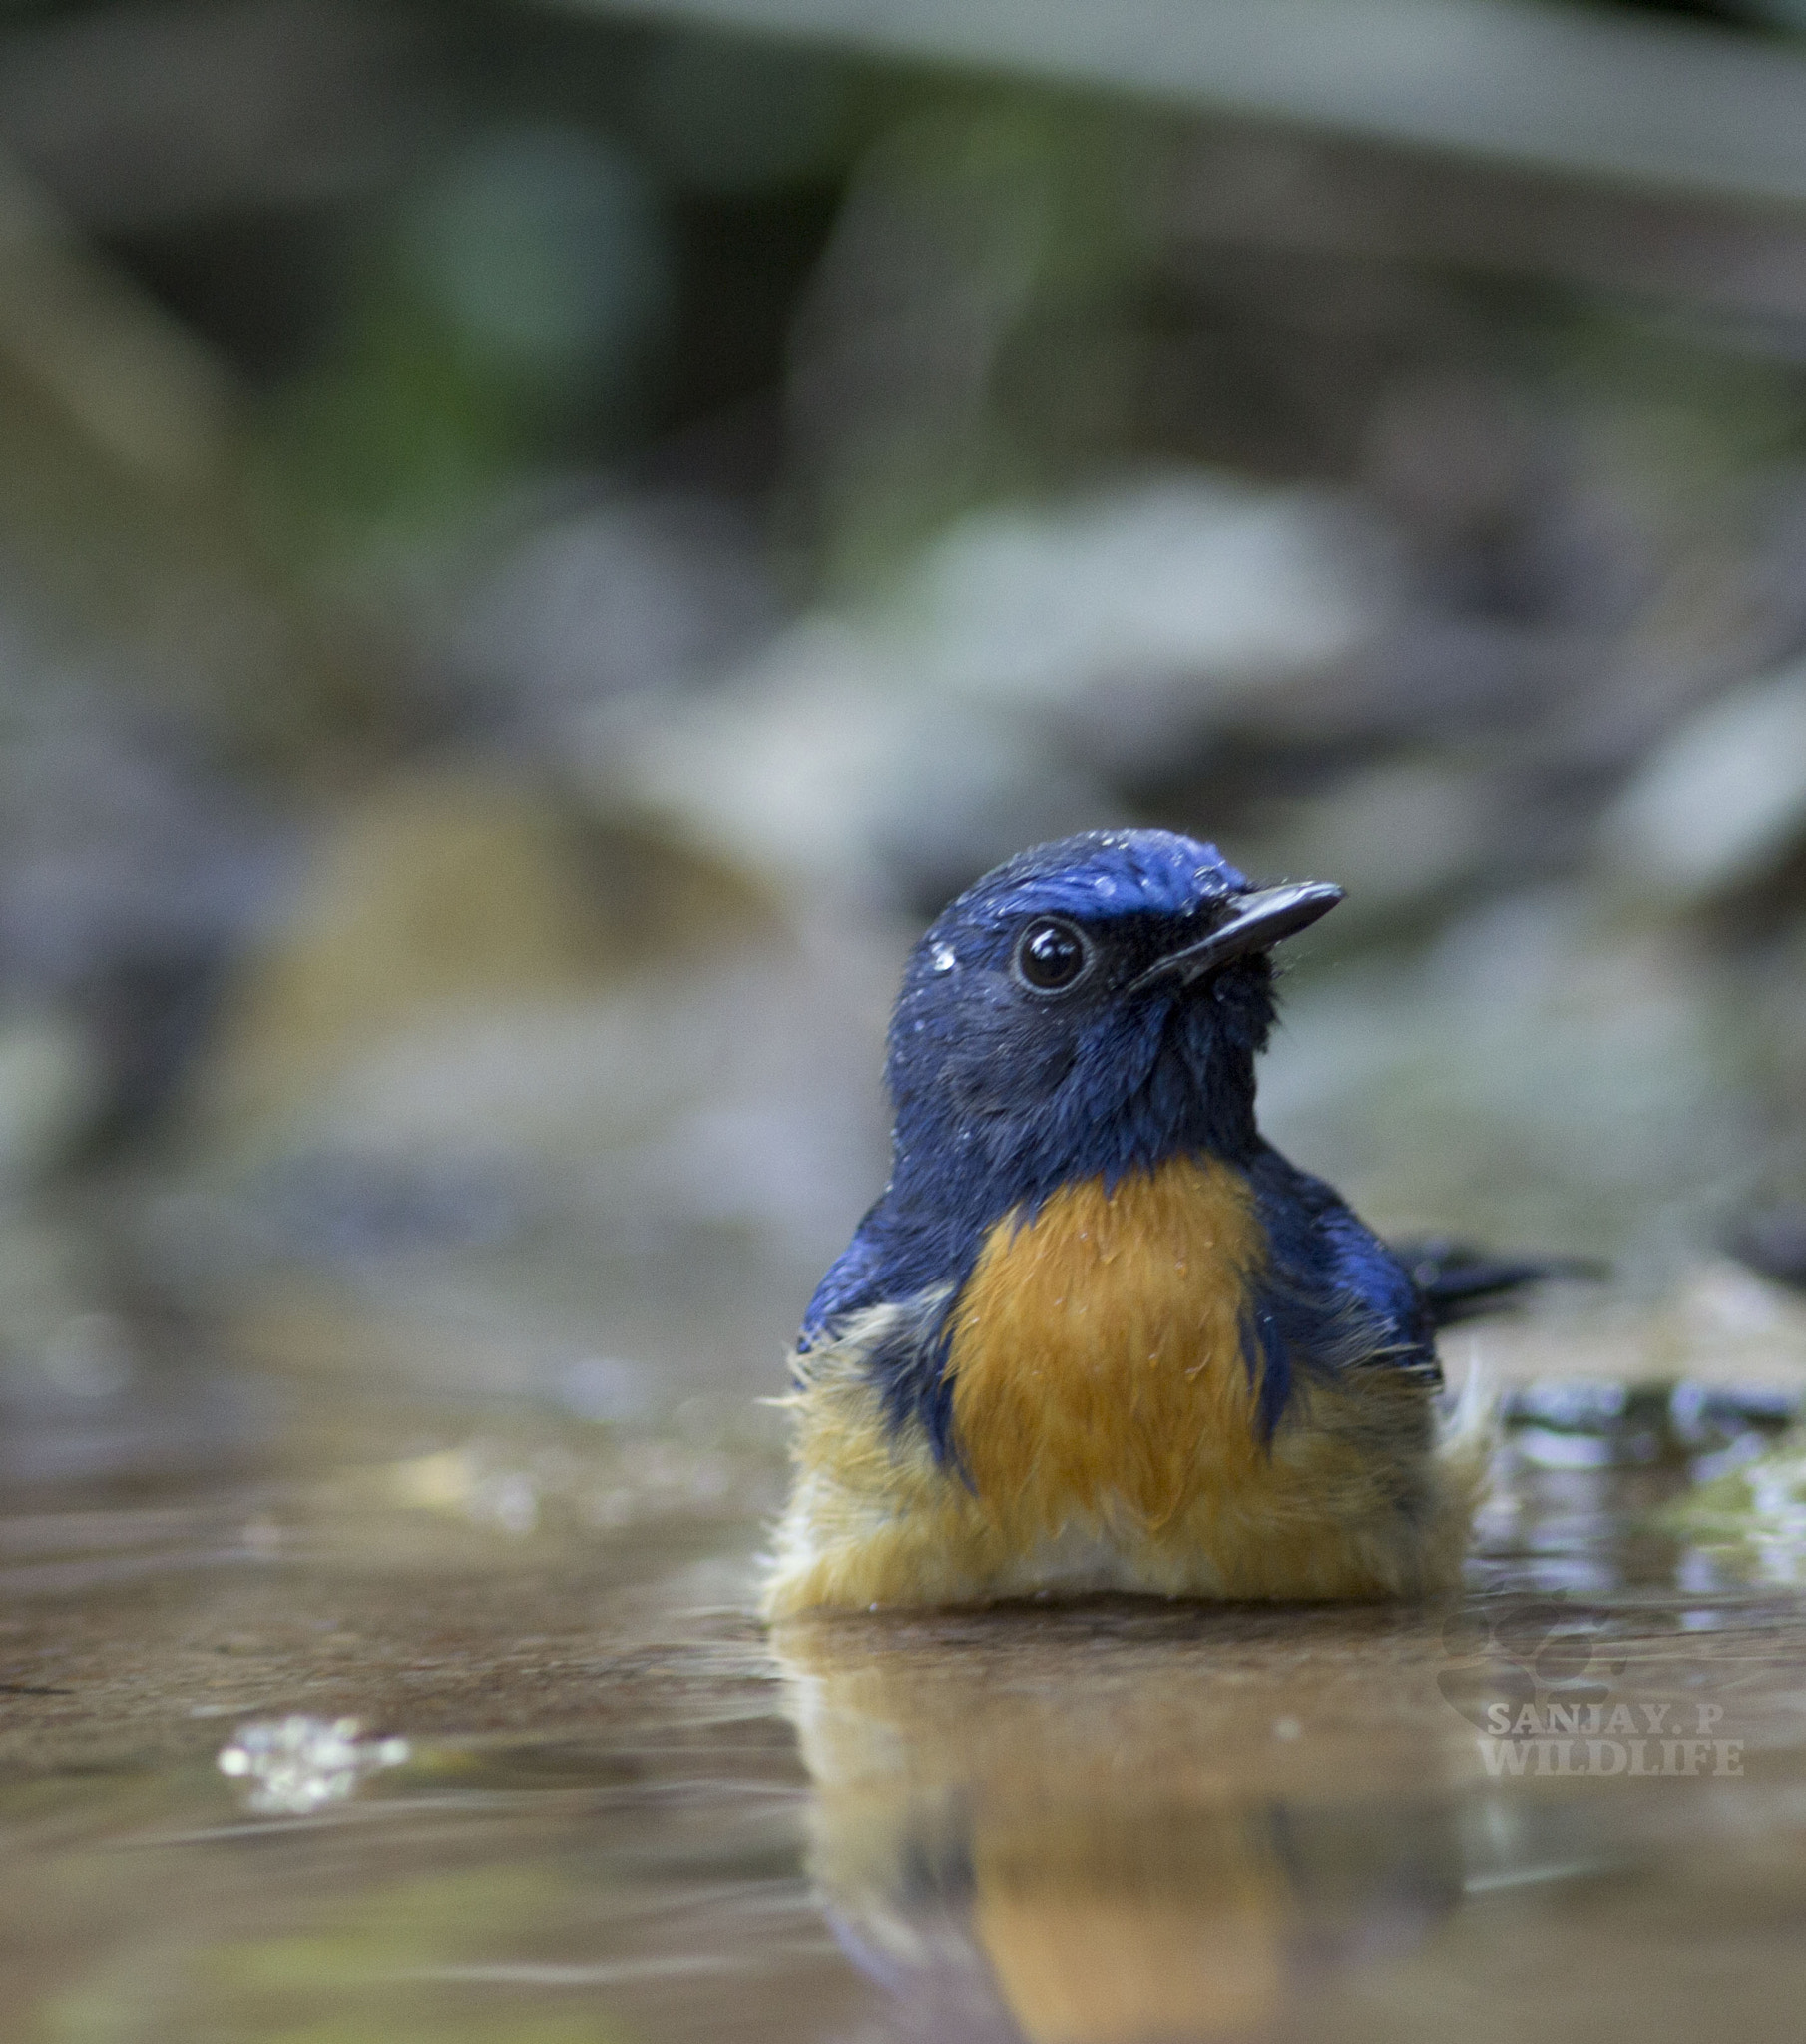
<point x="1254" y="922"/>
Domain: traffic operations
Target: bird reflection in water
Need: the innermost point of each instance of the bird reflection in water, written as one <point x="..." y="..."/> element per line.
<point x="1099" y="1825"/>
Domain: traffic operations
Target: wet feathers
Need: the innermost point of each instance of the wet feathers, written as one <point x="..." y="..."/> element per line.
<point x="1096" y="1333"/>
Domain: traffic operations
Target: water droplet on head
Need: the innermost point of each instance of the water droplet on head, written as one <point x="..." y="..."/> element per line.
<point x="944" y="959"/>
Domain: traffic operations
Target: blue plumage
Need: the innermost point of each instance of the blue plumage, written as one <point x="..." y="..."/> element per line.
<point x="1333" y="1297"/>
<point x="1007" y="1090"/>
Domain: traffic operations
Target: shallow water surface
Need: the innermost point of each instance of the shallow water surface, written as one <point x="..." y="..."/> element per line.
<point x="581" y="1797"/>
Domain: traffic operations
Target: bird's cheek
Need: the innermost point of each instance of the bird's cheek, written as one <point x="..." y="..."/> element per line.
<point x="1008" y="1072"/>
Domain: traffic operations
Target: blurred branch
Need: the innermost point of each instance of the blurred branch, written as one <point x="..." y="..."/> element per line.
<point x="134" y="383"/>
<point x="1664" y="104"/>
<point x="122" y="495"/>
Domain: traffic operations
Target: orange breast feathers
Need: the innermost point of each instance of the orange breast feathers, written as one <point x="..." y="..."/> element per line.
<point x="1097" y="1354"/>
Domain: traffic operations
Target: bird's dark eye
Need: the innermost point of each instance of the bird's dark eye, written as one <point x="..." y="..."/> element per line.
<point x="1050" y="955"/>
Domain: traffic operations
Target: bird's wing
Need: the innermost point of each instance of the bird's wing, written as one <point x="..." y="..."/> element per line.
<point x="853" y="1283"/>
<point x="888" y="1293"/>
<point x="1334" y="1296"/>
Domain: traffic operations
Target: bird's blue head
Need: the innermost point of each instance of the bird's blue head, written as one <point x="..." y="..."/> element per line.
<point x="1090" y="1009"/>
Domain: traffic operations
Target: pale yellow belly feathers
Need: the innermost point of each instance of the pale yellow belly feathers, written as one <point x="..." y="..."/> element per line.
<point x="1108" y="1433"/>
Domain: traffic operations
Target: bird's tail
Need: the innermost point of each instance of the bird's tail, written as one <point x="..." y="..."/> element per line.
<point x="1458" y="1281"/>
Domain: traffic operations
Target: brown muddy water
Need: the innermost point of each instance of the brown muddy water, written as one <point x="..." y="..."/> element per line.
<point x="336" y="1707"/>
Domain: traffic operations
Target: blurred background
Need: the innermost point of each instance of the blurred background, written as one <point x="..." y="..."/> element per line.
<point x="540" y="543"/>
